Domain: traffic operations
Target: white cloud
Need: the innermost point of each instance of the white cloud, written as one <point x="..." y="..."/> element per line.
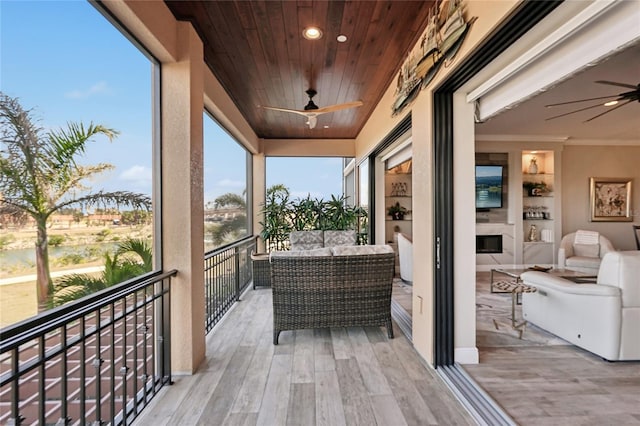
<point x="97" y="89"/>
<point x="231" y="183"/>
<point x="138" y="176"/>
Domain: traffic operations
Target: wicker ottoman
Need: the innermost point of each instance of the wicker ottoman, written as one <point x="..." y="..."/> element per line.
<point x="261" y="270"/>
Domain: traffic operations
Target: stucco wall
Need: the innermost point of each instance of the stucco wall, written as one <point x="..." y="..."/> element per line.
<point x="579" y="163"/>
<point x="489" y="14"/>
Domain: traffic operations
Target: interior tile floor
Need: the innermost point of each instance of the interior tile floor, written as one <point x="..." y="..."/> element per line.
<point x="402" y="293"/>
<point x="543" y="380"/>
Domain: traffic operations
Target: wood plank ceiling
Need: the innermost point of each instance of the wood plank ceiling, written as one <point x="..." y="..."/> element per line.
<point x="257" y="52"/>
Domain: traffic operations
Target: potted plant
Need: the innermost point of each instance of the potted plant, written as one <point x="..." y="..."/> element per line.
<point x="396" y="211"/>
<point x="535" y="188"/>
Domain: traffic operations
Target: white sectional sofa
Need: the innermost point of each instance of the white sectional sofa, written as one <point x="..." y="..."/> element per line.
<point x="603" y="318"/>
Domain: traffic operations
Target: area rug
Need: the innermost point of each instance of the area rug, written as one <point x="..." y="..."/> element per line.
<point x="493" y="321"/>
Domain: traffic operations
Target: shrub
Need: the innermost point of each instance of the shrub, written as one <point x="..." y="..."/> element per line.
<point x="5" y="240"/>
<point x="56" y="240"/>
<point x="100" y="236"/>
<point x="71" y="259"/>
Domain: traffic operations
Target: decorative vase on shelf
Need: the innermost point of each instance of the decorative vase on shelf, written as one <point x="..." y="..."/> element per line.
<point x="533" y="166"/>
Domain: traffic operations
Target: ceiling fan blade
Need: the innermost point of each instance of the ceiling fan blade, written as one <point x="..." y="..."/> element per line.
<point x="573" y="112"/>
<point x="615" y="83"/>
<point x="582" y="100"/>
<point x="333" y="108"/>
<point x="294" y="111"/>
<point x="609" y="110"/>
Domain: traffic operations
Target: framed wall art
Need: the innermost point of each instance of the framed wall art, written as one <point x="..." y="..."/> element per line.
<point x="610" y="199"/>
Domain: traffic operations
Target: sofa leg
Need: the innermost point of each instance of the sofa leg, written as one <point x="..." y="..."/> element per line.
<point x="276" y="334"/>
<point x="389" y="329"/>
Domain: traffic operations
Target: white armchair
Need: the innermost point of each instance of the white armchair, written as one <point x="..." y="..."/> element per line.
<point x="583" y="255"/>
<point x="405" y="254"/>
<point x="602" y="317"/>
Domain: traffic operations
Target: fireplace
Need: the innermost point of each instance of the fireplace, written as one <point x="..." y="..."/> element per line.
<point x="488" y="244"/>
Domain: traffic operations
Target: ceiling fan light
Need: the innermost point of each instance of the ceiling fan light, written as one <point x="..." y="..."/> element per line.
<point x="312" y="33"/>
<point x="611" y="103"/>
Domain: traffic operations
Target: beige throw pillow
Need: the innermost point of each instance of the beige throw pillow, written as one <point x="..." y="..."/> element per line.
<point x="586" y="250"/>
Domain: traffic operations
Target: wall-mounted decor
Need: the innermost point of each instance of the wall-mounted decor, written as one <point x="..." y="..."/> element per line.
<point x="610" y="199"/>
<point x="441" y="41"/>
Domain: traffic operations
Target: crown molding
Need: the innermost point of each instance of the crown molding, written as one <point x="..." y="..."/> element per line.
<point x="601" y="142"/>
<point x="521" y="138"/>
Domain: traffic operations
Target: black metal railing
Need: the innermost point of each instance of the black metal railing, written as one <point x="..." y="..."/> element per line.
<point x="227" y="272"/>
<point x="97" y="361"/>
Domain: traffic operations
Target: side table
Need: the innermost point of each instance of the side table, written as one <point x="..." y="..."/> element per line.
<point x="515" y="288"/>
<point x="261" y="269"/>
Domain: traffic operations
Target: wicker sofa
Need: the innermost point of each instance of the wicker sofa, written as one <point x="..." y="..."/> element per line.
<point x="332" y="287"/>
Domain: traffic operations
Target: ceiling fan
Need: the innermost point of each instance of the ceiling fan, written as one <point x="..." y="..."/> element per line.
<point x="312" y="111"/>
<point x="618" y="100"/>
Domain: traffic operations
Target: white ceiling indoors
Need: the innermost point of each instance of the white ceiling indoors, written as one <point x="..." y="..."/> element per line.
<point x="529" y="118"/>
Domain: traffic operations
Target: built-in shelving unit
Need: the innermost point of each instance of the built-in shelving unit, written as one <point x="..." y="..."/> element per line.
<point x="538" y="209"/>
<point x="398" y="190"/>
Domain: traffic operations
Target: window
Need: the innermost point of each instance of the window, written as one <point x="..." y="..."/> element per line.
<point x="350" y="182"/>
<point x="99" y="76"/>
<point x="317" y="177"/>
<point x="226" y="176"/>
<point x="363" y="200"/>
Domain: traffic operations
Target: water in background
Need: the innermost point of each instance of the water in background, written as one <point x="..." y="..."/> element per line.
<point x="27" y="256"/>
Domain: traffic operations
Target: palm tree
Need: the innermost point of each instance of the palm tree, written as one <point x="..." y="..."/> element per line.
<point x="132" y="258"/>
<point x="230" y="230"/>
<point x="230" y="199"/>
<point x="39" y="175"/>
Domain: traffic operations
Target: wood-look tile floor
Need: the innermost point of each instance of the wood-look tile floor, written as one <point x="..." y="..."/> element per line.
<point x="540" y="381"/>
<point x="341" y="376"/>
<point x="403" y="293"/>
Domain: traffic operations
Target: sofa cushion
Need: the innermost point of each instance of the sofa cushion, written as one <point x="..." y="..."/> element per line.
<point x="587" y="250"/>
<point x="583" y="262"/>
<point x="306" y="240"/>
<point x="369" y="249"/>
<point x="622" y="269"/>
<point x="339" y="238"/>
<point x="301" y="253"/>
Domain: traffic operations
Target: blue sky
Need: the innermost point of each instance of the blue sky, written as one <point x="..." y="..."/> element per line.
<point x="78" y="67"/>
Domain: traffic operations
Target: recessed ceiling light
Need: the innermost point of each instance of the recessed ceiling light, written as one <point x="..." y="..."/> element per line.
<point x="341" y="38"/>
<point x="611" y="103"/>
<point x="326" y="127"/>
<point x="312" y="33"/>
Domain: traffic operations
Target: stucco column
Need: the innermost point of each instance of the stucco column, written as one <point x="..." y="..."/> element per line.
<point x="464" y="222"/>
<point x="258" y="197"/>
<point x="182" y="198"/>
<point x="423" y="234"/>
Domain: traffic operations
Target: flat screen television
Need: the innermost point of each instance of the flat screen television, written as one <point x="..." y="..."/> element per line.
<point x="488" y="187"/>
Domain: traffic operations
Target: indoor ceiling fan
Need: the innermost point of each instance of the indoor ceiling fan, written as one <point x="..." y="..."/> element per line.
<point x="312" y="111"/>
<point x="615" y="101"/>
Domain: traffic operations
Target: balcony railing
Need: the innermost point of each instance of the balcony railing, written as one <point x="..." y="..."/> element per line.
<point x="227" y="272"/>
<point x="97" y="361"/>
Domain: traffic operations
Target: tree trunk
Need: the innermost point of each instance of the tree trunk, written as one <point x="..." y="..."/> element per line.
<point x="44" y="285"/>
